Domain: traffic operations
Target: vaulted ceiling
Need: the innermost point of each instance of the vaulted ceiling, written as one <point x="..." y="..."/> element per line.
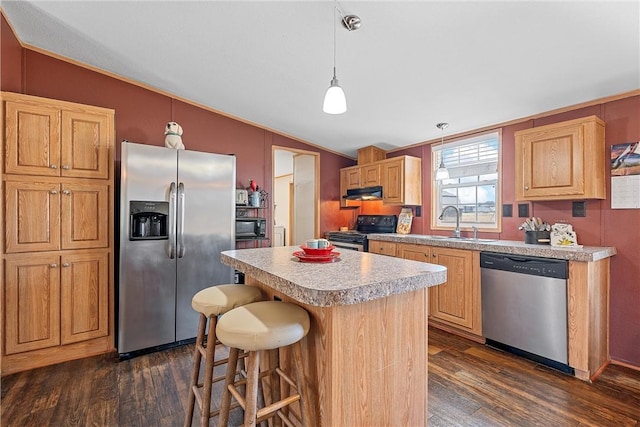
<point x="411" y="64"/>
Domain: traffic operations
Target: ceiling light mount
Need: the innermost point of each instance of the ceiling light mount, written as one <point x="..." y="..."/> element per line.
<point x="351" y="22"/>
<point x="442" y="126"/>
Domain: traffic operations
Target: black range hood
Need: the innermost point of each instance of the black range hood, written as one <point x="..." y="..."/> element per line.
<point x="366" y="193"/>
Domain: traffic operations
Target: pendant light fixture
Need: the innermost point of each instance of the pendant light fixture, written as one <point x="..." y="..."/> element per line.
<point x="442" y="173"/>
<point x="335" y="102"/>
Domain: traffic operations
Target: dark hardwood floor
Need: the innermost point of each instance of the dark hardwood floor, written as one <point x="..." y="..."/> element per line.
<point x="469" y="385"/>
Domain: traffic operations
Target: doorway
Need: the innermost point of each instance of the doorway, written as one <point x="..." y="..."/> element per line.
<point x="296" y="195"/>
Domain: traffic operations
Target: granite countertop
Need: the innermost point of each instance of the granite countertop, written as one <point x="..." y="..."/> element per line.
<point x="355" y="278"/>
<point x="583" y="254"/>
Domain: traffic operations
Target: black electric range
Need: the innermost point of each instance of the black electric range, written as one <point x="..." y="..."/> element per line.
<point x="365" y="224"/>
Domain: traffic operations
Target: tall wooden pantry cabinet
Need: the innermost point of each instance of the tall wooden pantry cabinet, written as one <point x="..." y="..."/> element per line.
<point x="57" y="245"/>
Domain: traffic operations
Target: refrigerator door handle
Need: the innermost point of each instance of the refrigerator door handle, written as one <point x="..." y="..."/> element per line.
<point x="172" y="221"/>
<point x="180" y="222"/>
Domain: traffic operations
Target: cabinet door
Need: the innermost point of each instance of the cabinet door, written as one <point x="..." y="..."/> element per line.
<point x="349" y="178"/>
<point x="552" y="162"/>
<point x="85" y="215"/>
<point x="370" y="175"/>
<point x="84" y="296"/>
<point x="393" y="181"/>
<point x="32" y="219"/>
<point x="32" y="139"/>
<point x="382" y="248"/>
<point x="85" y="145"/>
<point x="453" y="300"/>
<point x="31" y="302"/>
<point x="352" y="177"/>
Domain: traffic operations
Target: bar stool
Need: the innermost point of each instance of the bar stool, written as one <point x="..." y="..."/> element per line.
<point x="266" y="325"/>
<point x="211" y="303"/>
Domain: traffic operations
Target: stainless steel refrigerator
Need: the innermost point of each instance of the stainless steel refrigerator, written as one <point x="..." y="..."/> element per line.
<point x="177" y="213"/>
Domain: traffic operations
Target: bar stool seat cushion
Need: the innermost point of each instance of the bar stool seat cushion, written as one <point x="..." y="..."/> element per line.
<point x="219" y="299"/>
<point x="263" y="325"/>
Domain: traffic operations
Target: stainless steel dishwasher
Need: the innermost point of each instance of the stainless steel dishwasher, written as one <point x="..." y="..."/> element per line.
<point x="524" y="307"/>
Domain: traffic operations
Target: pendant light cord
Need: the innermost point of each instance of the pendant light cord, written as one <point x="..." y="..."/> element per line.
<point x="335" y="6"/>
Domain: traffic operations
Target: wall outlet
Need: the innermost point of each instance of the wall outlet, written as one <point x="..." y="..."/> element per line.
<point x="507" y="210"/>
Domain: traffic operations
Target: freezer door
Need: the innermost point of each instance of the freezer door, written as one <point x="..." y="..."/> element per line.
<point x="205" y="227"/>
<point x="147" y="274"/>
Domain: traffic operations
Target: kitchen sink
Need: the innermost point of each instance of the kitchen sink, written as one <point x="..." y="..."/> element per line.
<point x="466" y="239"/>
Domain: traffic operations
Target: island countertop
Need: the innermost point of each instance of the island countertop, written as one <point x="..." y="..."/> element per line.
<point x="355" y="278"/>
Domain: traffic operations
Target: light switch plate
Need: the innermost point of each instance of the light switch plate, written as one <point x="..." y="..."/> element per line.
<point x="507" y="210"/>
<point x="523" y="210"/>
<point x="579" y="209"/>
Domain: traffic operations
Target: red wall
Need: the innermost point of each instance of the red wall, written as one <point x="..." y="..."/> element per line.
<point x="142" y="114"/>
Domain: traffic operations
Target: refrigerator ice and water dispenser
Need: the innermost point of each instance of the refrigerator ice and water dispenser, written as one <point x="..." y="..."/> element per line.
<point x="148" y="220"/>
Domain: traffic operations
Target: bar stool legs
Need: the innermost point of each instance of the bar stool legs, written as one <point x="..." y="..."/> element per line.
<point x="211" y="303"/>
<point x="257" y="328"/>
<point x="207" y="384"/>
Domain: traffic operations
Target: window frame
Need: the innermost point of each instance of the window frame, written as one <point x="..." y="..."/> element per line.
<point x="436" y="186"/>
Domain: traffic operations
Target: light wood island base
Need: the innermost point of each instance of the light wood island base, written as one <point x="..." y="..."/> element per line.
<point x="365" y="356"/>
<point x="366" y="363"/>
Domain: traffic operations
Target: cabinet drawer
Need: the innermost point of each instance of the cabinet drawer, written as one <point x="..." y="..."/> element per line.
<point x="382" y="248"/>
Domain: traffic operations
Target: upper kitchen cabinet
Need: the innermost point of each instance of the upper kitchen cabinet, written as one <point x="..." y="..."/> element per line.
<point x="370" y="154"/>
<point x="401" y="179"/>
<point x="370" y="175"/>
<point x="561" y="161"/>
<point x="349" y="178"/>
<point x="55" y="138"/>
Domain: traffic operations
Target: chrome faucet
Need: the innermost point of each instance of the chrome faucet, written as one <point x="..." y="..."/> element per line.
<point x="456" y="232"/>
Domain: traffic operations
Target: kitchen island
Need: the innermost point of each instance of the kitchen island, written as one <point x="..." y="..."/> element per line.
<point x="366" y="352"/>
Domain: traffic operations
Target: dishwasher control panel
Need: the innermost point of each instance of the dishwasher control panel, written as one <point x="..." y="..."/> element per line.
<point x="536" y="266"/>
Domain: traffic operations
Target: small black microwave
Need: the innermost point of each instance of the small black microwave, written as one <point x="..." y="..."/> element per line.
<point x="247" y="228"/>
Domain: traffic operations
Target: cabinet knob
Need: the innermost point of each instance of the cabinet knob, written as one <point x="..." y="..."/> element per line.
<point x="53" y="265"/>
<point x="53" y="166"/>
<point x="526" y="187"/>
<point x="66" y="192"/>
<point x="433" y="255"/>
<point x="66" y="264"/>
<point x="65" y="167"/>
<point x="54" y="192"/>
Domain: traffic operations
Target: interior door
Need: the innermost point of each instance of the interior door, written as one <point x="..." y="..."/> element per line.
<point x="304" y="199"/>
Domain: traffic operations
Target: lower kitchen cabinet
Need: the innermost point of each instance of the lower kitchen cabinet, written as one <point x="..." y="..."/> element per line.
<point x="32" y="302"/>
<point x="455" y="305"/>
<point x="382" y="248"/>
<point x="53" y="300"/>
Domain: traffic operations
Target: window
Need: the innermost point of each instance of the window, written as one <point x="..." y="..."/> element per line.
<point x="472" y="186"/>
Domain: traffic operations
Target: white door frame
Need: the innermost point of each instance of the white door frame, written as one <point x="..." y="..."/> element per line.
<point x="316" y="187"/>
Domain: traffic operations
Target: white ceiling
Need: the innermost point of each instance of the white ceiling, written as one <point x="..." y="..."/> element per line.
<point x="411" y="65"/>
